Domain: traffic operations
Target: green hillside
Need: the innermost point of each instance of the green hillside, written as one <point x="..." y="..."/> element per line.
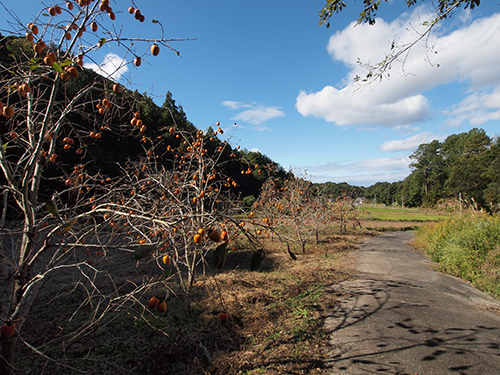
<point x="112" y="149"/>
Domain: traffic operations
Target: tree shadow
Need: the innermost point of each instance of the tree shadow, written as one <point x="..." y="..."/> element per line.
<point x="398" y="327"/>
<point x="241" y="260"/>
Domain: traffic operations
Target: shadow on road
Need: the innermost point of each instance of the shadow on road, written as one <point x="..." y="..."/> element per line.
<point x="399" y="325"/>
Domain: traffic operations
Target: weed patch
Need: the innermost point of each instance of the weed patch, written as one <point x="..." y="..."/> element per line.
<point x="466" y="247"/>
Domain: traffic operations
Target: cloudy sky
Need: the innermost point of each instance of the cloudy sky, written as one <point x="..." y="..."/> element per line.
<point x="281" y="84"/>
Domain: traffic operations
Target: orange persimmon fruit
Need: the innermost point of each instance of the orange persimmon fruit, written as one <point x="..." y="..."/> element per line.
<point x="37" y="48"/>
<point x="153" y="302"/>
<point x="8" y="111"/>
<point x="8" y="329"/>
<point x="214" y="235"/>
<point x="162" y="307"/>
<point x="73" y="71"/>
<point x="155" y="50"/>
<point x="33" y="28"/>
<point x="166" y="259"/>
<point x="223" y="317"/>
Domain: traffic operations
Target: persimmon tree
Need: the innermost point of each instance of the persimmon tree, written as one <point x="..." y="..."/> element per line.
<point x="60" y="213"/>
<point x="290" y="204"/>
<point x="195" y="200"/>
<point x="297" y="205"/>
<point x="345" y="213"/>
<point x="322" y="212"/>
<point x="296" y="210"/>
<point x="267" y="205"/>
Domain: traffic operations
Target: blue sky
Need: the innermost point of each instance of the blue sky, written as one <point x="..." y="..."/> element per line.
<point x="287" y="82"/>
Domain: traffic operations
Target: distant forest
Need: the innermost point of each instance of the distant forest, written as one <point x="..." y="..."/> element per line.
<point x="465" y="165"/>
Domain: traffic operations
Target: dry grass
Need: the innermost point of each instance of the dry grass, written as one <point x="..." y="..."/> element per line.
<point x="386" y="225"/>
<point x="275" y="326"/>
<point x="283" y="309"/>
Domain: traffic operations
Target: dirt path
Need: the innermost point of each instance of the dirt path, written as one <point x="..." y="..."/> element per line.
<point x="400" y="317"/>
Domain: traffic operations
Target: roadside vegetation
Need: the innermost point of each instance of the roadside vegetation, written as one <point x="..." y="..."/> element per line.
<point x="467" y="247"/>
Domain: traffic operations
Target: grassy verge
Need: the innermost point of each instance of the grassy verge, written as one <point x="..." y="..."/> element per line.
<point x="467" y="247"/>
<point x="275" y="325"/>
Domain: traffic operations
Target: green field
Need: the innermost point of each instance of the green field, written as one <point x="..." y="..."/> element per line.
<point x="384" y="213"/>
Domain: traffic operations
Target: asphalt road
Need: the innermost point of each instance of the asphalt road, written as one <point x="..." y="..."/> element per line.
<point x="398" y="316"/>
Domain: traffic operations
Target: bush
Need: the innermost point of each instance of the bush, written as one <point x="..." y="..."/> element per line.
<point x="467" y="247"/>
<point x="249" y="200"/>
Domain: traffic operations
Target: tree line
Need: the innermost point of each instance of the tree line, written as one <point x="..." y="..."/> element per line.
<point x="464" y="166"/>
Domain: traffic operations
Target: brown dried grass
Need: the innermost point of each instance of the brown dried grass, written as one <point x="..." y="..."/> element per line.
<point x="282" y="309"/>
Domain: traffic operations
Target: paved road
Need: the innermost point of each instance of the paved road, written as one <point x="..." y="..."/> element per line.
<point x="398" y="316"/>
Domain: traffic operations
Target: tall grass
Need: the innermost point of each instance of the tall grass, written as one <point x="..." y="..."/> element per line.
<point x="467" y="247"/>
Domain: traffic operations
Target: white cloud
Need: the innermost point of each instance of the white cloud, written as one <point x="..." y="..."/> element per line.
<point x="112" y="67"/>
<point x="234" y="105"/>
<point x="360" y="179"/>
<point x="383" y="164"/>
<point x="469" y="54"/>
<point x="344" y="107"/>
<point x="364" y="172"/>
<point x="409" y="144"/>
<point x="477" y="108"/>
<point x="255" y="113"/>
<point x="259" y="114"/>
<point x="262" y="128"/>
